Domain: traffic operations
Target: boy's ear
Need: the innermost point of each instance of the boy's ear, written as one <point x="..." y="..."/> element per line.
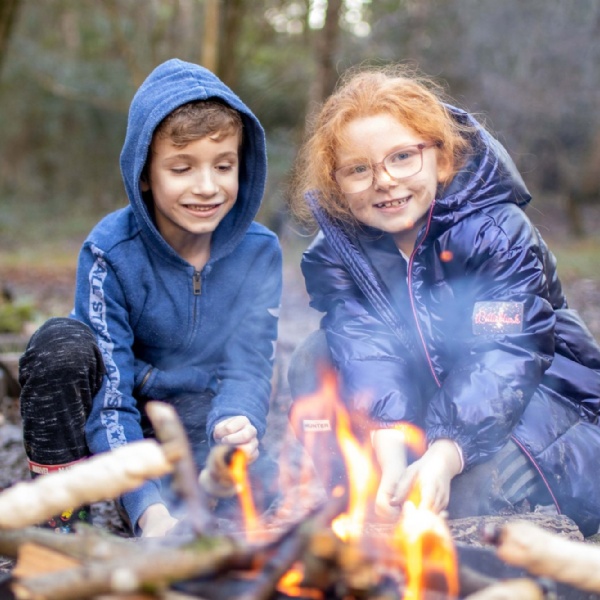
<point x="144" y="183"/>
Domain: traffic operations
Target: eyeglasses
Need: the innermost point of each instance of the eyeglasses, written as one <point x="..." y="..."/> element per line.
<point x="399" y="164"/>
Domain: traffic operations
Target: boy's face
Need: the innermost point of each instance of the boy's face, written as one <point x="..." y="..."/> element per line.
<point x="193" y="187"/>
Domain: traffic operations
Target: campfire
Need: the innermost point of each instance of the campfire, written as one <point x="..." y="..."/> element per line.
<point x="333" y="549"/>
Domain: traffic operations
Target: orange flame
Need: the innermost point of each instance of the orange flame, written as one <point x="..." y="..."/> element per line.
<point x="239" y="474"/>
<point x="291" y="585"/>
<point x="423" y="538"/>
<point x="362" y="479"/>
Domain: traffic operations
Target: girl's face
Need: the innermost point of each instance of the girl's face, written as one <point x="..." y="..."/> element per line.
<point x="396" y="206"/>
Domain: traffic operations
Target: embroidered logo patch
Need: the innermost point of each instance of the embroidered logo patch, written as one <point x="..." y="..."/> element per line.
<point x="497" y="317"/>
<point x="316" y="425"/>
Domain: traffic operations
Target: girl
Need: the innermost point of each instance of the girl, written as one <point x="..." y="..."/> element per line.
<point x="443" y="307"/>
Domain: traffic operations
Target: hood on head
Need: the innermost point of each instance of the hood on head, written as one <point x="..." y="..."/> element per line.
<point x="488" y="177"/>
<point x="170" y="85"/>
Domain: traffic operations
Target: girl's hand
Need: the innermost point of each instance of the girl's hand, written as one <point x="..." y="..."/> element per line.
<point x="238" y="432"/>
<point x="156" y="521"/>
<point x="390" y="451"/>
<point x="434" y="472"/>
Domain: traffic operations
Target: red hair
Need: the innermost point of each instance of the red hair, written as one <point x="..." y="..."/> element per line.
<point x="415" y="101"/>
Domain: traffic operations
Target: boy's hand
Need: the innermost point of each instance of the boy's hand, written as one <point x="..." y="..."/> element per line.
<point x="156" y="521"/>
<point x="434" y="472"/>
<point x="390" y="451"/>
<point x="238" y="432"/>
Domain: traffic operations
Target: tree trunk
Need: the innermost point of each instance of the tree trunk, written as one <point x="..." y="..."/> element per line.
<point x="229" y="61"/>
<point x="210" y="38"/>
<point x="8" y="16"/>
<point x="326" y="47"/>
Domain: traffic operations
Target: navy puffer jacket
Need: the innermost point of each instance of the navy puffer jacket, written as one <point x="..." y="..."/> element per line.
<point x="472" y="339"/>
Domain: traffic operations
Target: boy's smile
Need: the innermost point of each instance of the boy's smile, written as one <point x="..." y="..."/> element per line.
<point x="193" y="188"/>
<point x="397" y="206"/>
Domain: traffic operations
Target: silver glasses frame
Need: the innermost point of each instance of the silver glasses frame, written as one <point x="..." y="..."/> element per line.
<point x="376" y="166"/>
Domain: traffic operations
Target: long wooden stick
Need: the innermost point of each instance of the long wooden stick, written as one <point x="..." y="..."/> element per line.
<point x="102" y="477"/>
<point x="546" y="554"/>
<point x="523" y="589"/>
<point x="151" y="569"/>
<point x="174" y="441"/>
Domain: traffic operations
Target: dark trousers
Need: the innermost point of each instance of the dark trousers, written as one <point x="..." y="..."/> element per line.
<point x="61" y="372"/>
<point x="507" y="483"/>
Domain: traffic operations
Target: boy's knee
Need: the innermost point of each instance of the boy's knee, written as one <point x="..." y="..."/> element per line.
<point x="59" y="345"/>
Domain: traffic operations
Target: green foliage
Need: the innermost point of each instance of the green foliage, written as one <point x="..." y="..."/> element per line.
<point x="14" y="315"/>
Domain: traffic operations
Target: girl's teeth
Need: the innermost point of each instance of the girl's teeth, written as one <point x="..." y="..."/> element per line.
<point x="391" y="203"/>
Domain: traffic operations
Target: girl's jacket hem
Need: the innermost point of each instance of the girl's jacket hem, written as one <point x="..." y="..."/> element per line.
<point x="479" y="314"/>
<point x="163" y="328"/>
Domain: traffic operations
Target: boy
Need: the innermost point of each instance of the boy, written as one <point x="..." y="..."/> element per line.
<point x="176" y="297"/>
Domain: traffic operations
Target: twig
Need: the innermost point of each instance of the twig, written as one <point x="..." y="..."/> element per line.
<point x="548" y="555"/>
<point x="170" y="432"/>
<point x="523" y="589"/>
<point x="291" y="547"/>
<point x="102" y="477"/>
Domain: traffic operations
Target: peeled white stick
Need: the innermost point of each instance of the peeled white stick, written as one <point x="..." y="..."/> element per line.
<point x="102" y="477"/>
<point x="547" y="554"/>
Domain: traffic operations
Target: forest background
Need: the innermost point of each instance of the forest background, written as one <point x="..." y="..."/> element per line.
<point x="69" y="68"/>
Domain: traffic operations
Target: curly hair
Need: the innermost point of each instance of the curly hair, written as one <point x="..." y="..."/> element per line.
<point x="196" y="120"/>
<point x="416" y="101"/>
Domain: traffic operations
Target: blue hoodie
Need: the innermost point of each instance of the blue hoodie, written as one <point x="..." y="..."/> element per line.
<point x="163" y="328"/>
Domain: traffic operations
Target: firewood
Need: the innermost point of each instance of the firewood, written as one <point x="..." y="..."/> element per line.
<point x="548" y="555"/>
<point x="216" y="478"/>
<point x="523" y="589"/>
<point x="150" y="570"/>
<point x="291" y="547"/>
<point x="36" y="560"/>
<point x="86" y="543"/>
<point x="102" y="477"/>
<point x="174" y="442"/>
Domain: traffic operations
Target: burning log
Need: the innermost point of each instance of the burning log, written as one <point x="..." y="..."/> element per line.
<point x="291" y="547"/>
<point x="216" y="478"/>
<point x="547" y="555"/>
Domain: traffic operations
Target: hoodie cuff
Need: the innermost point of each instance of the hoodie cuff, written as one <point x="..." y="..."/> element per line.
<point x="137" y="501"/>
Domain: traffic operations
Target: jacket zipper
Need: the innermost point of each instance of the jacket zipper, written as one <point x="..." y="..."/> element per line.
<point x="412" y="300"/>
<point x="197" y="283"/>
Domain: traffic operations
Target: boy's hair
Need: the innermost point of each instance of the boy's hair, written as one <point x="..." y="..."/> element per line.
<point x="415" y="101"/>
<point x="194" y="121"/>
<point x="199" y="119"/>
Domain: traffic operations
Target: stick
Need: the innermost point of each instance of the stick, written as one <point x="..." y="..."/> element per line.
<point x="152" y="569"/>
<point x="548" y="555"/>
<point x="174" y="441"/>
<point x="87" y="542"/>
<point x="102" y="477"/>
<point x="291" y="547"/>
<point x="523" y="589"/>
<point x="216" y="478"/>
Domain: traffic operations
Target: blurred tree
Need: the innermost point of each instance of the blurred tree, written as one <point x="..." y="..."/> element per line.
<point x="210" y="37"/>
<point x="326" y="49"/>
<point x="73" y="65"/>
<point x="8" y="15"/>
